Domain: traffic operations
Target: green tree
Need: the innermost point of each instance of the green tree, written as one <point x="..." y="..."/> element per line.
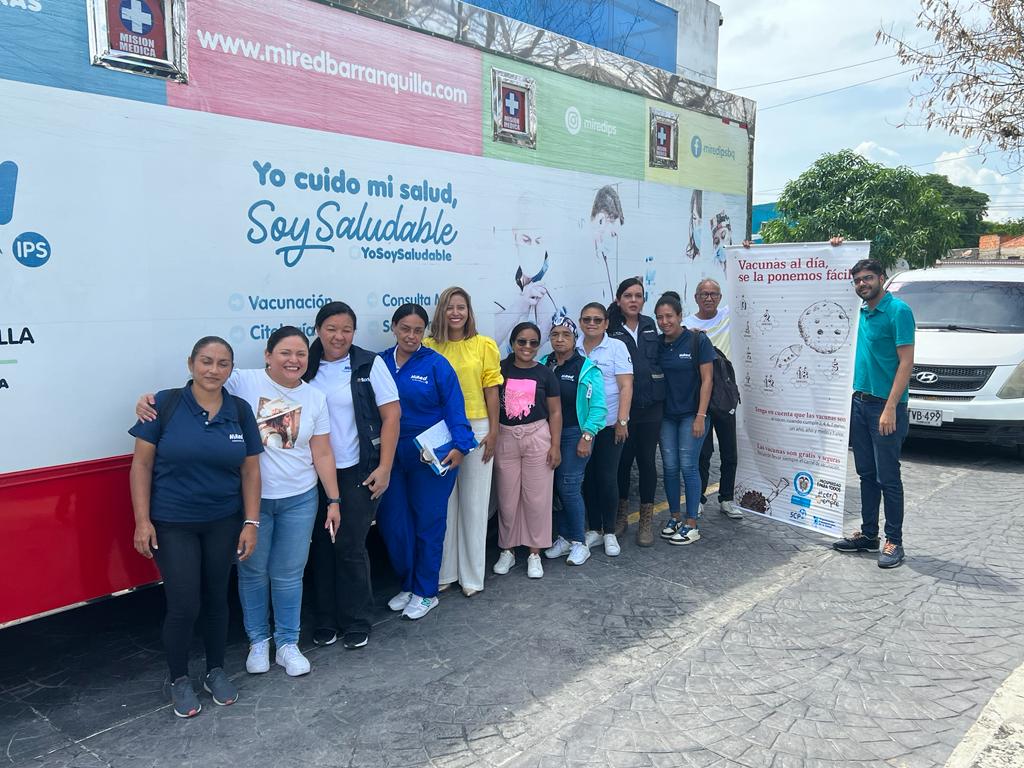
<point x="1011" y="228"/>
<point x="969" y="202"/>
<point x="847" y="195"/>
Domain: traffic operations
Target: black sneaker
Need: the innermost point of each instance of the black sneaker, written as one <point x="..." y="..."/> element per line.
<point x="325" y="636"/>
<point x="219" y="686"/>
<point x="891" y="556"/>
<point x="856" y="542"/>
<point x="184" y="699"/>
<point x="353" y="640"/>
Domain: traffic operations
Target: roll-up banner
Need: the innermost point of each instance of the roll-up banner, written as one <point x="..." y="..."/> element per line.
<point x="794" y="332"/>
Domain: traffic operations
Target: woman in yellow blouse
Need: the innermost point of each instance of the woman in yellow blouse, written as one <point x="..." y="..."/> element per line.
<point x="475" y="359"/>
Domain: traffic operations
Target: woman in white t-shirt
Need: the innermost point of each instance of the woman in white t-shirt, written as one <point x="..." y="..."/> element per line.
<point x="362" y="403"/>
<point x="295" y="430"/>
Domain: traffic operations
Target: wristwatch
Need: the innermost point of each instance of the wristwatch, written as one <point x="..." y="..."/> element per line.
<point x="587" y="436"/>
<point x="623" y="422"/>
<point x="334" y="501"/>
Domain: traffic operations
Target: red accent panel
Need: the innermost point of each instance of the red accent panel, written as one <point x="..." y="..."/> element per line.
<point x="67" y="537"/>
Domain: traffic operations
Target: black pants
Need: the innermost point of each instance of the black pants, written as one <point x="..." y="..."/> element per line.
<point x="341" y="571"/>
<point x="725" y="430"/>
<point x="195" y="562"/>
<point x="642" y="446"/>
<point x="600" y="494"/>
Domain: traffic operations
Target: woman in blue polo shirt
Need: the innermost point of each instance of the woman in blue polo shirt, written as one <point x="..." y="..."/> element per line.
<point x="193" y="473"/>
<point x="686" y="359"/>
<point x="414" y="510"/>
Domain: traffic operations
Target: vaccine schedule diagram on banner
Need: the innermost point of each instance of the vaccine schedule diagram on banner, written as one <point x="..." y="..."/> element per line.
<point x="793" y="340"/>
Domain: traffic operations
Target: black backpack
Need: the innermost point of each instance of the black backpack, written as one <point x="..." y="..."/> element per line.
<point x="725" y="395"/>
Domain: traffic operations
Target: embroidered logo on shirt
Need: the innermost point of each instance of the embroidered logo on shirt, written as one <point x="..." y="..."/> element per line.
<point x="362" y="379"/>
<point x="236" y="437"/>
<point x="568" y="377"/>
<point x="419" y="378"/>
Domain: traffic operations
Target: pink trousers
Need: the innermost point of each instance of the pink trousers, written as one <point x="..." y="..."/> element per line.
<point x="525" y="485"/>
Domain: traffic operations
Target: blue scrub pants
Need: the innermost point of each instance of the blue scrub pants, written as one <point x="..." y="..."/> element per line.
<point x="412" y="518"/>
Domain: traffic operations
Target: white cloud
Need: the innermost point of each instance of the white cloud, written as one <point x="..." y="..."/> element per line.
<point x="964" y="167"/>
<point x="875" y="152"/>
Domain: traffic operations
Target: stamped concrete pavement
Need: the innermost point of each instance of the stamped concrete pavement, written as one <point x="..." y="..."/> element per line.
<point x="759" y="646"/>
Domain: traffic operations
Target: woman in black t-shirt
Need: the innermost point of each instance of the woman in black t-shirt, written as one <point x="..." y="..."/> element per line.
<point x="528" y="450"/>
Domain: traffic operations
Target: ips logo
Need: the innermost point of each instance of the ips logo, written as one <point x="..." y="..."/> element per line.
<point x="31" y="249"/>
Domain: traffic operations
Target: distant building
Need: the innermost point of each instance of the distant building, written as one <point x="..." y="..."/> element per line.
<point x="679" y="36"/>
<point x="759" y="214"/>
<point x="1000" y="247"/>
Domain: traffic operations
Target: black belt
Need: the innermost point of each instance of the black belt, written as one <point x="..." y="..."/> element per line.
<point x="868" y="398"/>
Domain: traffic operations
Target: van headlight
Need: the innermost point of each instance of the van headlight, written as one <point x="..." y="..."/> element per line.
<point x="1013" y="387"/>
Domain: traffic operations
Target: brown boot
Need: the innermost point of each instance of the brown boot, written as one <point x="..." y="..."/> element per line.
<point x="645" y="530"/>
<point x="622" y="519"/>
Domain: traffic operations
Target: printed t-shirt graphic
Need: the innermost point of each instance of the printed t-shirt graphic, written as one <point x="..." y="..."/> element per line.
<point x="520" y="395"/>
<point x="279" y="420"/>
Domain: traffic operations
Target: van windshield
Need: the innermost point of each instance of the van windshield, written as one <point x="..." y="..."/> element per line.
<point x="965" y="304"/>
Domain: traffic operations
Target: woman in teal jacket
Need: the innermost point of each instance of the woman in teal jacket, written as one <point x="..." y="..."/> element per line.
<point x="583" y="416"/>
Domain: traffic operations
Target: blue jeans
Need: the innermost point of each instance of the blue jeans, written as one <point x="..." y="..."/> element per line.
<point x="568" y="485"/>
<point x="877" y="458"/>
<point x="282" y="547"/>
<point x="680" y="452"/>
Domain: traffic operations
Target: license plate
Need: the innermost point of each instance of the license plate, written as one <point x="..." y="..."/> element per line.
<point x="925" y="417"/>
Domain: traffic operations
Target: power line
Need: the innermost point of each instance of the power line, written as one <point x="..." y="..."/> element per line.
<point x="811" y="74"/>
<point x="835" y="90"/>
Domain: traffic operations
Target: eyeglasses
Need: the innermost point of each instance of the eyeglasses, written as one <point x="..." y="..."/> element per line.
<point x="864" y="279"/>
<point x="591" y="320"/>
<point x="532" y="343"/>
<point x="708" y="295"/>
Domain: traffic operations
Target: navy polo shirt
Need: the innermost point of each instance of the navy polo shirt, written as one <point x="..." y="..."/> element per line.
<point x="682" y="374"/>
<point x="197" y="471"/>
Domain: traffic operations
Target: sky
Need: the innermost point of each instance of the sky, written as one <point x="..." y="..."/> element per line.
<point x="767" y="40"/>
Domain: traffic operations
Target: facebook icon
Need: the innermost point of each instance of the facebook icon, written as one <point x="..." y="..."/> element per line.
<point x="8" y="183"/>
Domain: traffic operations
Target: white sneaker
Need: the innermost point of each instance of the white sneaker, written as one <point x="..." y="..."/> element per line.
<point x="258" y="660"/>
<point x="729" y="509"/>
<point x="534" y="569"/>
<point x="579" y="554"/>
<point x="419" y="607"/>
<point x="505" y="562"/>
<point x="611" y="545"/>
<point x="592" y="539"/>
<point x="685" y="535"/>
<point x="399" y="601"/>
<point x="290" y="657"/>
<point x="560" y="548"/>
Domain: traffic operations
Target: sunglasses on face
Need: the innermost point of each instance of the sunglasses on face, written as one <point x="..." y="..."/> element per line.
<point x="532" y="343"/>
<point x="591" y="320"/>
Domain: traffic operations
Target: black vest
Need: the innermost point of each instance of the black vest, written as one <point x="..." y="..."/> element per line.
<point x="648" y="380"/>
<point x="364" y="404"/>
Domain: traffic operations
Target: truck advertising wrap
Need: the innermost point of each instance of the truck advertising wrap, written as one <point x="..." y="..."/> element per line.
<point x="313" y="155"/>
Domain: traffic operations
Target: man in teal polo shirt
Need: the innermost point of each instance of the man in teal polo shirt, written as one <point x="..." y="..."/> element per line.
<point x="878" y="420"/>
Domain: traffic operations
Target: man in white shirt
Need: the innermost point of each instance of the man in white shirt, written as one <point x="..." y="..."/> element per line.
<point x="715" y="322"/>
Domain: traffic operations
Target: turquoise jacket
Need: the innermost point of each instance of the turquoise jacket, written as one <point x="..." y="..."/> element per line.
<point x="590" y="407"/>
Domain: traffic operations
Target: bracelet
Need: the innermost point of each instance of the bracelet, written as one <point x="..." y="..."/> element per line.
<point x="251" y="522"/>
<point x="334" y="501"/>
<point x="702" y="414"/>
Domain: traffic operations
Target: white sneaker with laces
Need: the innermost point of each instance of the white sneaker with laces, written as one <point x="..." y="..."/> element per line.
<point x="611" y="545"/>
<point x="399" y="601"/>
<point x="258" y="660"/>
<point x="592" y="539"/>
<point x="685" y="535"/>
<point x="290" y="657"/>
<point x="560" y="548"/>
<point x="419" y="607"/>
<point x="729" y="509"/>
<point x="534" y="569"/>
<point x="579" y="554"/>
<point x="505" y="562"/>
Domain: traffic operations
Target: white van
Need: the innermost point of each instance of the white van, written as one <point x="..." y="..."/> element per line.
<point x="968" y="380"/>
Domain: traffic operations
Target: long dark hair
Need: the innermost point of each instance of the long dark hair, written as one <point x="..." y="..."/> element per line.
<point x="615" y="316"/>
<point x="316" y="349"/>
<point x="526" y="325"/>
<point x="207" y="341"/>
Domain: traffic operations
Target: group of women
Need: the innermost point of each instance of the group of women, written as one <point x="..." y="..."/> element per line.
<point x="270" y="467"/>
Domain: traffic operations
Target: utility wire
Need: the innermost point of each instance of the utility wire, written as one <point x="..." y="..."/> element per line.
<point x="835" y="90"/>
<point x="811" y="74"/>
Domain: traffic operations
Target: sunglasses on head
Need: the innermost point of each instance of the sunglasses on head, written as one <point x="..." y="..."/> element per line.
<point x="533" y="343"/>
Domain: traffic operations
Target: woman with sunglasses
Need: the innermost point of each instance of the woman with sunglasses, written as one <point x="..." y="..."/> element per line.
<point x="476" y="362"/>
<point x="600" y="480"/>
<point x="414" y="508"/>
<point x="529" y="440"/>
<point x="581" y="389"/>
